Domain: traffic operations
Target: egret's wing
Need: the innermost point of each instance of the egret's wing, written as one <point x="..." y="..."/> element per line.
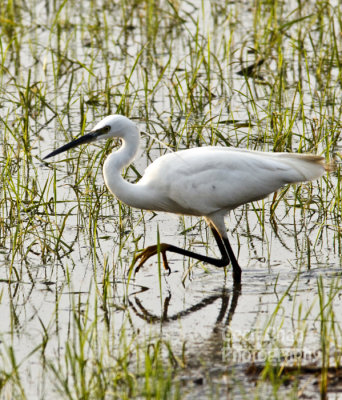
<point x="204" y="180"/>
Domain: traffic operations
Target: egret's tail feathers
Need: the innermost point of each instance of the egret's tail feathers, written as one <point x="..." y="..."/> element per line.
<point x="329" y="166"/>
<point x="308" y="166"/>
<point x="311" y="158"/>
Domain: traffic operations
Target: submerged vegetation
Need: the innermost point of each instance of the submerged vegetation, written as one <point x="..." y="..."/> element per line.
<point x="262" y="75"/>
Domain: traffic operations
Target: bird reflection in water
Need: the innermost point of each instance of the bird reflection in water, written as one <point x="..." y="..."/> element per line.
<point x="225" y="314"/>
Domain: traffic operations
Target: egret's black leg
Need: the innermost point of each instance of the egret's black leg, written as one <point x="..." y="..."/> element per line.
<point x="163" y="247"/>
<point x="235" y="265"/>
<point x="223" y="244"/>
<point x="225" y="247"/>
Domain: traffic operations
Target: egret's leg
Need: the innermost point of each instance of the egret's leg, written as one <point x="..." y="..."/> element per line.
<point x="223" y="244"/>
<point x="235" y="265"/>
<point x="163" y="247"/>
<point x="225" y="247"/>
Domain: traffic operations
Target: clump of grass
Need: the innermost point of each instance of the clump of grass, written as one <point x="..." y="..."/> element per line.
<point x="100" y="362"/>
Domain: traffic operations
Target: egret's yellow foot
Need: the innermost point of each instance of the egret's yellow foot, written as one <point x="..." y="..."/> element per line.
<point x="149" y="252"/>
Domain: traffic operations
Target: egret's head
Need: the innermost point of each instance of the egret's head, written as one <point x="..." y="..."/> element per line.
<point x="112" y="126"/>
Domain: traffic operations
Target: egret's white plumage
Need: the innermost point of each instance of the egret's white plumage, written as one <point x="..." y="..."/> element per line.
<point x="204" y="181"/>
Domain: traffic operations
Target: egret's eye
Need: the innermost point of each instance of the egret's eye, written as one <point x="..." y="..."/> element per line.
<point x="107" y="128"/>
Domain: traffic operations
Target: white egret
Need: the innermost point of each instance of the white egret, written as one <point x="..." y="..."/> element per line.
<point x="204" y="181"/>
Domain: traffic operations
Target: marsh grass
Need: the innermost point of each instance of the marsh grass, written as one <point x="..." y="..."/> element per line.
<point x="263" y="76"/>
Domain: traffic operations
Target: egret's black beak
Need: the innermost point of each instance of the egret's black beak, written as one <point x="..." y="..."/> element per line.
<point x="88" y="138"/>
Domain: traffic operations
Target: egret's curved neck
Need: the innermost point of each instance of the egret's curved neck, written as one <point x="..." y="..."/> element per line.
<point x="116" y="161"/>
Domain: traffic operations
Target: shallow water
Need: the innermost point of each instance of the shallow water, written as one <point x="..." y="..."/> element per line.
<point x="65" y="241"/>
